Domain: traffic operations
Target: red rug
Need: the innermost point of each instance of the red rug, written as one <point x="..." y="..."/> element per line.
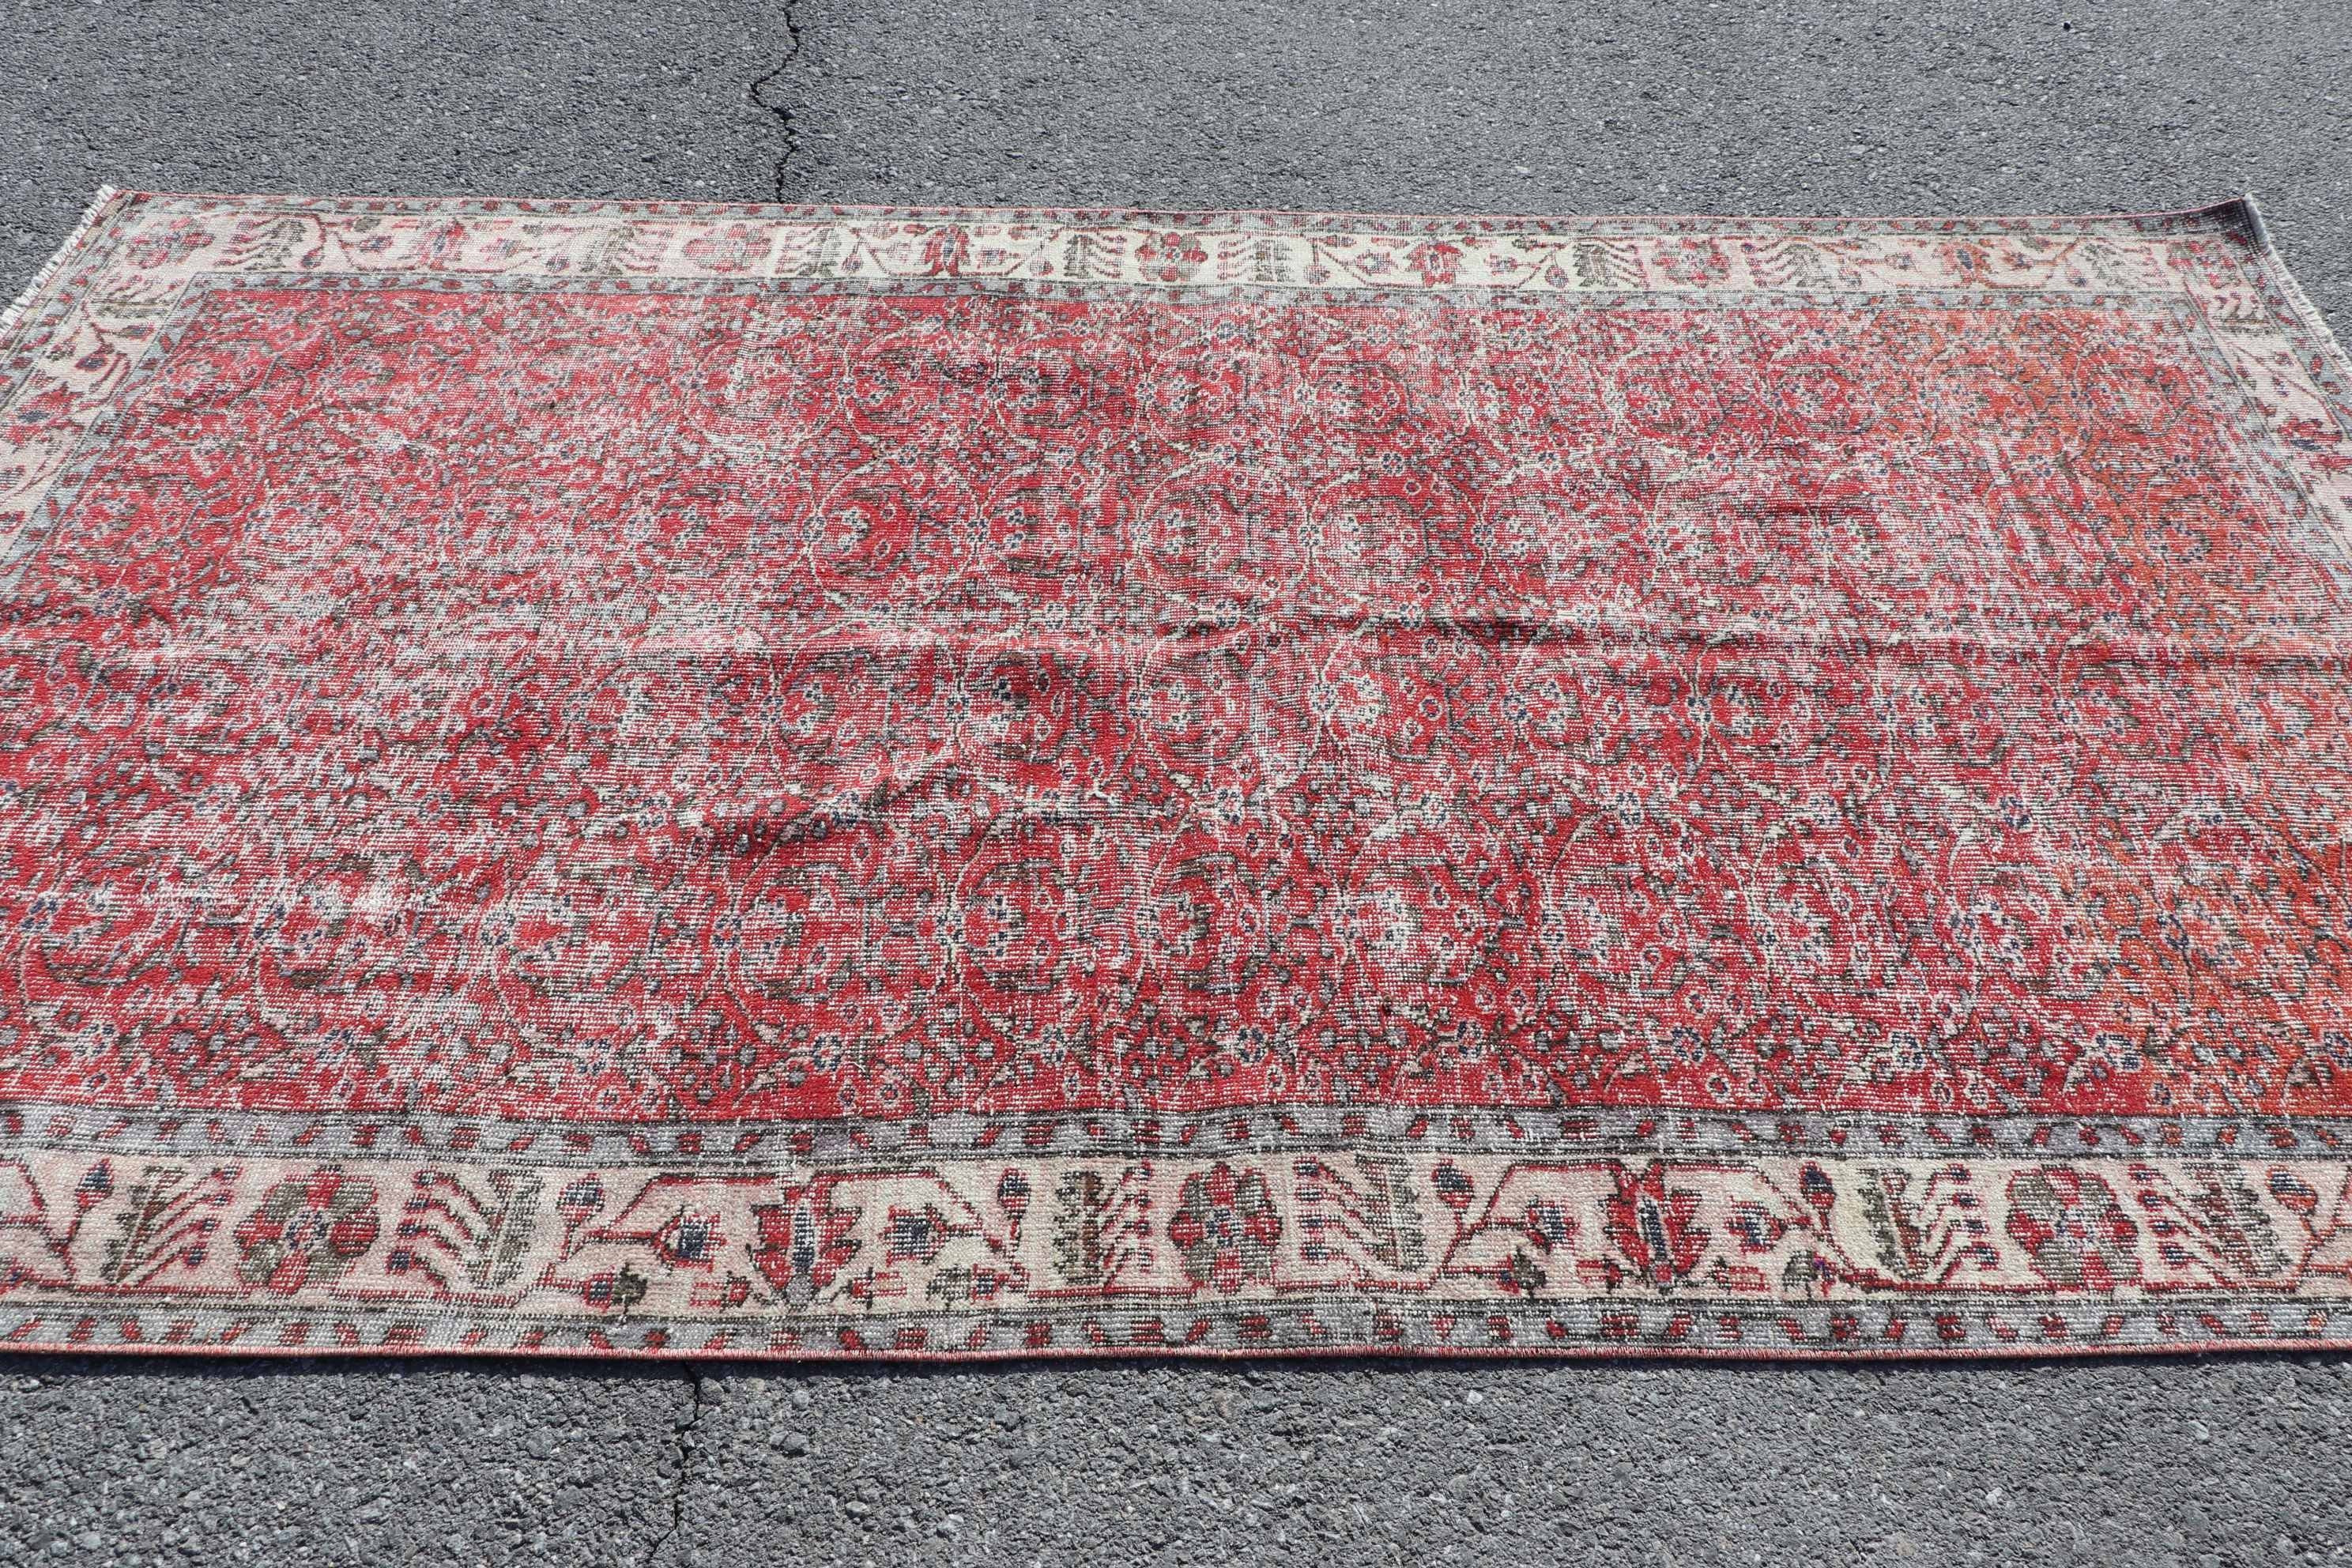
<point x="681" y="780"/>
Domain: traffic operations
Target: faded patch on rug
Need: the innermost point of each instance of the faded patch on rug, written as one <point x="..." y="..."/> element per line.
<point x="686" y="780"/>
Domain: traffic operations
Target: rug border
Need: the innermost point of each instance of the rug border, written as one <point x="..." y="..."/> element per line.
<point x="109" y="201"/>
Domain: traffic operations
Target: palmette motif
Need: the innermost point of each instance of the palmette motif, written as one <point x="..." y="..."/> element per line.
<point x="670" y="780"/>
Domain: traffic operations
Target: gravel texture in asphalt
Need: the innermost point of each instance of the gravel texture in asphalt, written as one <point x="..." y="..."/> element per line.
<point x="1432" y="105"/>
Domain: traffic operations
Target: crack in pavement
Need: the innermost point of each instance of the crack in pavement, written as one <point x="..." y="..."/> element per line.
<point x="684" y="1432"/>
<point x="780" y="107"/>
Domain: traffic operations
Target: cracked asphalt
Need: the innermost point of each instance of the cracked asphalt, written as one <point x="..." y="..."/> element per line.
<point x="1435" y="105"/>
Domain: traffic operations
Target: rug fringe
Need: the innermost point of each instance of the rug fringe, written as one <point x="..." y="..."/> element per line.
<point x="56" y="263"/>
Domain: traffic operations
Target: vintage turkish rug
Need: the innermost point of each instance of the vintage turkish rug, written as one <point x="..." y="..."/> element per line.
<point x="683" y="780"/>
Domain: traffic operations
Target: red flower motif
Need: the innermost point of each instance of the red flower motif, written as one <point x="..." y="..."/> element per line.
<point x="308" y="1230"/>
<point x="1655" y="1227"/>
<point x="1225" y="1227"/>
<point x="804" y="1241"/>
<point x="731" y="249"/>
<point x="945" y="251"/>
<point x="2074" y="1228"/>
<point x="1696" y="262"/>
<point x="1440" y="263"/>
<point x="178" y="240"/>
<point x="1172" y="258"/>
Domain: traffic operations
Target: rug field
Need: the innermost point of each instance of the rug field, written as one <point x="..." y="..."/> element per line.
<point x="674" y="780"/>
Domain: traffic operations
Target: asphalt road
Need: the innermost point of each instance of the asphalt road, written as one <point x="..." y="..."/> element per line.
<point x="1437" y="105"/>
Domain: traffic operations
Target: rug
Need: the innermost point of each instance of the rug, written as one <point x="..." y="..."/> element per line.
<point x="685" y="780"/>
